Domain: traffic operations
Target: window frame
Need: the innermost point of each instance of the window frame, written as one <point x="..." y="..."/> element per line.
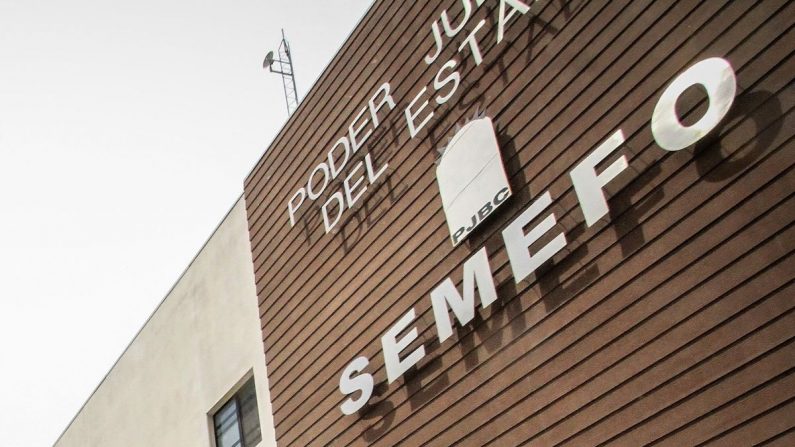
<point x="234" y="395"/>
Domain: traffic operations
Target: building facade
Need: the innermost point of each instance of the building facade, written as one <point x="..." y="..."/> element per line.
<point x="195" y="374"/>
<point x="499" y="223"/>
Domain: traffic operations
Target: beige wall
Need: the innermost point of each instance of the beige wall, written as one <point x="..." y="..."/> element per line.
<point x="203" y="340"/>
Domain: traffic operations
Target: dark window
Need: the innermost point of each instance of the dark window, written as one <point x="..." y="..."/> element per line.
<point x="237" y="422"/>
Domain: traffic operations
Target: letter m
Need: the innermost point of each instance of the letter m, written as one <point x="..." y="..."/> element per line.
<point x="445" y="295"/>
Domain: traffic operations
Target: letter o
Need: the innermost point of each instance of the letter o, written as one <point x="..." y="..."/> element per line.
<point x="717" y="77"/>
<point x="310" y="192"/>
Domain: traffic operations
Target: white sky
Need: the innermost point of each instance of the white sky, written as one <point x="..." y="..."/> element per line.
<point x="126" y="131"/>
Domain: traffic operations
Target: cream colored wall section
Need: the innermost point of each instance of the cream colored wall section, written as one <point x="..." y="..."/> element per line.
<point x="203" y="340"/>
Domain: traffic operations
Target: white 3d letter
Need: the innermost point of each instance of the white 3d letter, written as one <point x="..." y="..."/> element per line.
<point x="717" y="77"/>
<point x="517" y="242"/>
<point x="361" y="382"/>
<point x="476" y="270"/>
<point x="588" y="184"/>
<point x="392" y="347"/>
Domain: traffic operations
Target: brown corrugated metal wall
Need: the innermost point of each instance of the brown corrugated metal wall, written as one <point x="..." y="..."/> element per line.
<point x="670" y="323"/>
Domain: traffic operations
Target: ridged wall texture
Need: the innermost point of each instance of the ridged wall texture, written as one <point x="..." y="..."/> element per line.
<point x="668" y="322"/>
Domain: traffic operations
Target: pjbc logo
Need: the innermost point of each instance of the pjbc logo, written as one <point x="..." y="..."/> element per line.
<point x="471" y="178"/>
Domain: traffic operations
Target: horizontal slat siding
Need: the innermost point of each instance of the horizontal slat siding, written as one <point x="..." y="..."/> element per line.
<point x="785" y="439"/>
<point x="431" y="209"/>
<point x="760" y="429"/>
<point x="657" y="326"/>
<point x="441" y="231"/>
<point x="350" y="98"/>
<point x="755" y="403"/>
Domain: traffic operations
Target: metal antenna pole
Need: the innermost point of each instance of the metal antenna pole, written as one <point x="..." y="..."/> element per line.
<point x="285" y="69"/>
<point x="288" y="80"/>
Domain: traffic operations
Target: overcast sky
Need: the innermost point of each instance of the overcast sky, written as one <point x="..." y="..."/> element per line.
<point x="126" y="131"/>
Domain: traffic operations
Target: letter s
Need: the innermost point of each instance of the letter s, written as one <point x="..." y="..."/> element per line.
<point x="439" y="84"/>
<point x="349" y="385"/>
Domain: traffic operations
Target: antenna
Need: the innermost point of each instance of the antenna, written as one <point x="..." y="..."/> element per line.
<point x="284" y="67"/>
